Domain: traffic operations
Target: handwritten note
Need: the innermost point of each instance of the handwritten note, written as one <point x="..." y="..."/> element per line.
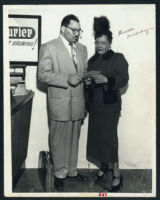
<point x="132" y="32"/>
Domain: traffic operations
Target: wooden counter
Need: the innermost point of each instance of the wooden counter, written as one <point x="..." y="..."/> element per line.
<point x="21" y="107"/>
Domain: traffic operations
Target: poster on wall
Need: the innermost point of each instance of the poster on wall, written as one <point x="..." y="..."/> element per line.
<point x="24" y="39"/>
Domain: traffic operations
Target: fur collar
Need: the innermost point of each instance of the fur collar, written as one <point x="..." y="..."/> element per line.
<point x="106" y="56"/>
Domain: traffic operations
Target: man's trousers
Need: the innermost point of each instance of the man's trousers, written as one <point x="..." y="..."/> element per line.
<point x="63" y="143"/>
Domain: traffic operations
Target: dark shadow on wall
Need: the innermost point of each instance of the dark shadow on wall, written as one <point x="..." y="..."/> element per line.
<point x="43" y="88"/>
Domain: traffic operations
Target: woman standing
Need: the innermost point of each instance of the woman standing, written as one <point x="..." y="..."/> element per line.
<point x="104" y="101"/>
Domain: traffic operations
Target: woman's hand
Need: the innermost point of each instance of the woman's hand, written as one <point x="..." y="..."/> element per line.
<point x="100" y="78"/>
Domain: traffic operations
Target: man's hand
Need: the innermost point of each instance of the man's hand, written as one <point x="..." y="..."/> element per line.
<point x="88" y="81"/>
<point x="73" y="80"/>
<point x="100" y="78"/>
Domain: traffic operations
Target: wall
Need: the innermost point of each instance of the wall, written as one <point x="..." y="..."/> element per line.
<point x="137" y="122"/>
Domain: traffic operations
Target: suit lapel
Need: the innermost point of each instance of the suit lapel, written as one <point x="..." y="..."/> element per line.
<point x="65" y="57"/>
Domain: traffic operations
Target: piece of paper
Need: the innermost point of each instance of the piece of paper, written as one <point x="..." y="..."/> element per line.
<point x="91" y="74"/>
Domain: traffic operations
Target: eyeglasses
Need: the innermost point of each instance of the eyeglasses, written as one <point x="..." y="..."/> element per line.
<point x="74" y="31"/>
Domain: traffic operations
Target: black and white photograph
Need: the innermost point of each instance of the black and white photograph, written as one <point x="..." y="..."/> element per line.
<point x="79" y="100"/>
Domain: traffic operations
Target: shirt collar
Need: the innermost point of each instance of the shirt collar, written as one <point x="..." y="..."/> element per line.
<point x="64" y="40"/>
<point x="66" y="43"/>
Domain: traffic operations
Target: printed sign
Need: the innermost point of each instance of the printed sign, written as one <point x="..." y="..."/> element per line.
<point x="24" y="39"/>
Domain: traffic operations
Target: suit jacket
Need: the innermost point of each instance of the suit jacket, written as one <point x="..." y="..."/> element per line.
<point x="55" y="64"/>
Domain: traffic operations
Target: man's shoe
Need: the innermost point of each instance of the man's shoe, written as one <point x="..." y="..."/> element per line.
<point x="98" y="178"/>
<point x="78" y="177"/>
<point x="59" y="184"/>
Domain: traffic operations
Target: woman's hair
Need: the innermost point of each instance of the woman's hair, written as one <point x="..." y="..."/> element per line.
<point x="101" y="26"/>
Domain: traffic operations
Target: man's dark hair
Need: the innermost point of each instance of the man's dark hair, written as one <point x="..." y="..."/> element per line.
<point x="66" y="20"/>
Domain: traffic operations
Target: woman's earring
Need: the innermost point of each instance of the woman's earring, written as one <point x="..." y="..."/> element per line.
<point x="109" y="47"/>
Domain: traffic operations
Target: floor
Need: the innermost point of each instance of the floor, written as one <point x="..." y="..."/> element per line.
<point x="134" y="181"/>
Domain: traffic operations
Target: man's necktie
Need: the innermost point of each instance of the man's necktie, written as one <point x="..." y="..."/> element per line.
<point x="74" y="57"/>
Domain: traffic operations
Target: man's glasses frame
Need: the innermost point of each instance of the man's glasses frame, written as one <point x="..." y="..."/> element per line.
<point x="79" y="31"/>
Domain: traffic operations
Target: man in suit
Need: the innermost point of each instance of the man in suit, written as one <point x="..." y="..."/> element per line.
<point x="62" y="64"/>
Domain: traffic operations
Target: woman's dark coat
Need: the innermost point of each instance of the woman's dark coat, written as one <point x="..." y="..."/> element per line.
<point x="104" y="104"/>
